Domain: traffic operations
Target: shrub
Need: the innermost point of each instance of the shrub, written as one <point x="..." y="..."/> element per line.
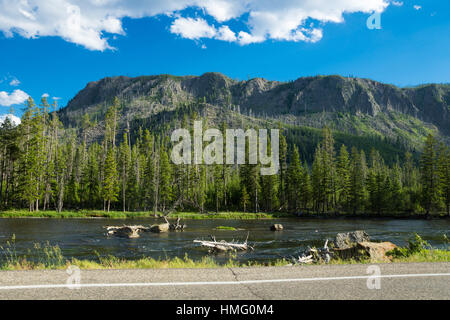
<point x="415" y="245"/>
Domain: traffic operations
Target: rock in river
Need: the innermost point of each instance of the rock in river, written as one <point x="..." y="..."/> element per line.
<point x="164" y="227"/>
<point x="276" y="227"/>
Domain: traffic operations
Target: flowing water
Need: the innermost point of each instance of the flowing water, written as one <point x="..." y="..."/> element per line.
<point x="85" y="238"/>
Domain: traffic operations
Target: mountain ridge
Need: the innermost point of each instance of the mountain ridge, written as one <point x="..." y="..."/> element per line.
<point x="354" y="105"/>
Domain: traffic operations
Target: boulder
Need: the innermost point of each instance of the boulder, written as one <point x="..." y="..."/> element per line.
<point x="129" y="232"/>
<point x="276" y="227"/>
<point x="374" y="251"/>
<point x="350" y="239"/>
<point x="377" y="251"/>
<point x="126" y="231"/>
<point x="164" y="227"/>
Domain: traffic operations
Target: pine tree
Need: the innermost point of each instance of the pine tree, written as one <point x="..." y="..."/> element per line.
<point x="318" y="182"/>
<point x="110" y="186"/>
<point x="429" y="175"/>
<point x="328" y="169"/>
<point x="111" y="119"/>
<point x="357" y="181"/>
<point x="283" y="169"/>
<point x="269" y="189"/>
<point x="396" y="199"/>
<point x="376" y="183"/>
<point x="305" y="188"/>
<point x="124" y="162"/>
<point x="133" y="179"/>
<point x="343" y="178"/>
<point x="165" y="173"/>
<point x="294" y="181"/>
<point x="444" y="176"/>
<point x="245" y="198"/>
<point x="33" y="158"/>
<point x="90" y="177"/>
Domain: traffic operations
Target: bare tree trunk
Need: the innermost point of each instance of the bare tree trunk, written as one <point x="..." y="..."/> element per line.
<point x="156" y="184"/>
<point x="60" y="195"/>
<point x="1" y="178"/>
<point x="123" y="188"/>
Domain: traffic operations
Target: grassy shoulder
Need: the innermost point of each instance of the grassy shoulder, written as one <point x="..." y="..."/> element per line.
<point x="50" y="257"/>
<point x="426" y="255"/>
<point x="138" y="214"/>
<point x="111" y="262"/>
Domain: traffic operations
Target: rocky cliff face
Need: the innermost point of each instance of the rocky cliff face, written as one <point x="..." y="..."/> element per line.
<point x="302" y="99"/>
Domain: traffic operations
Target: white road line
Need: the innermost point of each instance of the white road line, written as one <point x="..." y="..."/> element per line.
<point x="201" y="283"/>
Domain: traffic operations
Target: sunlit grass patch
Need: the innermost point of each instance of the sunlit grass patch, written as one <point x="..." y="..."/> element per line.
<point x="226" y="228"/>
<point x="138" y="214"/>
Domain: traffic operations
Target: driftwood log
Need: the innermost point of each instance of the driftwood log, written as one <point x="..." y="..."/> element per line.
<point x="134" y="231"/>
<point x="215" y="246"/>
<point x="314" y="255"/>
<point x="126" y="231"/>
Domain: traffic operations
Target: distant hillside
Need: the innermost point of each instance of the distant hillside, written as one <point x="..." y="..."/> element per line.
<point x="357" y="108"/>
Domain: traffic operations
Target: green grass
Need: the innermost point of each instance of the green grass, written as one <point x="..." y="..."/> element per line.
<point x="48" y="257"/>
<point x="139" y="214"/>
<point x="230" y="215"/>
<point x="427" y="255"/>
<point x="226" y="228"/>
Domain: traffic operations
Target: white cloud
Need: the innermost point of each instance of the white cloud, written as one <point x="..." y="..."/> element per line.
<point x="87" y="22"/>
<point x="15" y="120"/>
<point x="9" y="99"/>
<point x="45" y="95"/>
<point x="417" y="7"/>
<point x="193" y="28"/>
<point x="198" y="28"/>
<point x="14" y="82"/>
<point x="397" y="3"/>
<point x="225" y="34"/>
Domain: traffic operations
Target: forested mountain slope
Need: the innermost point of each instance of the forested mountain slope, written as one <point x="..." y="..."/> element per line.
<point x="359" y="109"/>
<point x="347" y="145"/>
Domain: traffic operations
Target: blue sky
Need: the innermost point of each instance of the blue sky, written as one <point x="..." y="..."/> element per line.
<point x="412" y="46"/>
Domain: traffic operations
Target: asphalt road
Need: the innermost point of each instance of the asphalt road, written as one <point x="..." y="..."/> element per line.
<point x="395" y="281"/>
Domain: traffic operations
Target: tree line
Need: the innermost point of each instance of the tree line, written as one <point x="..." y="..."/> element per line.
<point x="43" y="166"/>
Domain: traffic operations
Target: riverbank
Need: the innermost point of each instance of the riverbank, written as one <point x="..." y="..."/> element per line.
<point x="139" y="214"/>
<point x="206" y="263"/>
<point x="210" y="215"/>
<point x="51" y="258"/>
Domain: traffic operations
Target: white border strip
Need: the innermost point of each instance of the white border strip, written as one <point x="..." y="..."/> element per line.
<point x="202" y="283"/>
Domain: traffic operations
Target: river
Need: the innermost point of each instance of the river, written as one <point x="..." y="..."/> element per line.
<point x="84" y="238"/>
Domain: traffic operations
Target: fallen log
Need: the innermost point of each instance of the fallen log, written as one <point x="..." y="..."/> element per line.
<point x="223" y="246"/>
<point x="126" y="231"/>
<point x="313" y="255"/>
